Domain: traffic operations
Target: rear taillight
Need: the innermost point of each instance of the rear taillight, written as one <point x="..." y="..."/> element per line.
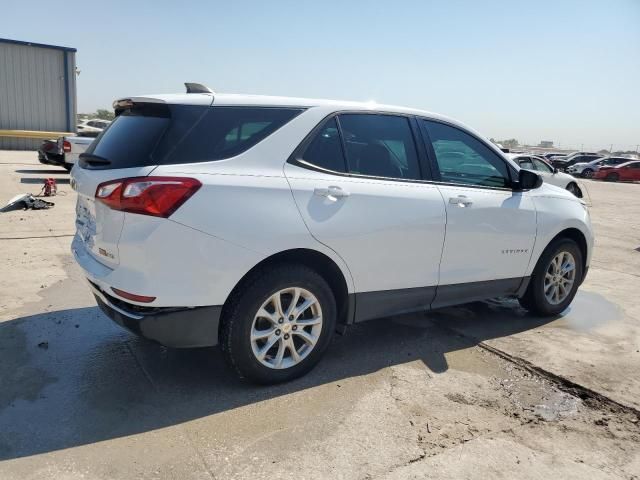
<point x="66" y="146"/>
<point x="156" y="196"/>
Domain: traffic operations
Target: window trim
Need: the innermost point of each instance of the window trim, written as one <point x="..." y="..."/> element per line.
<point x="296" y="157"/>
<point x="513" y="174"/>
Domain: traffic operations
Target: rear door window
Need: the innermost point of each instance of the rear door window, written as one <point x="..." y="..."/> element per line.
<point x="176" y="134"/>
<point x="380" y="146"/>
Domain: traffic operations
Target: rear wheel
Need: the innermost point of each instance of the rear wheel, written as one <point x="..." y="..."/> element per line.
<point x="279" y="324"/>
<point x="612" y="177"/>
<point x="555" y="279"/>
<point x="587" y="173"/>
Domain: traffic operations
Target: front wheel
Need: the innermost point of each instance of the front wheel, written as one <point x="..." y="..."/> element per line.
<point x="279" y="324"/>
<point x="587" y="173"/>
<point x="555" y="279"/>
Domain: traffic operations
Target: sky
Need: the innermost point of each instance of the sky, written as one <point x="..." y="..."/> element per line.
<point x="560" y="70"/>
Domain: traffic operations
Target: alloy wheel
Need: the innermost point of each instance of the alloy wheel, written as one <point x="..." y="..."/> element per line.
<point x="286" y="328"/>
<point x="559" y="278"/>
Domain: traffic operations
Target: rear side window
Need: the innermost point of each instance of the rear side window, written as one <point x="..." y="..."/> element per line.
<point x="161" y="135"/>
<point x="325" y="150"/>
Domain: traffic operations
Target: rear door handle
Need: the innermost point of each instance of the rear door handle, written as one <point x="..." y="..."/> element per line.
<point x="461" y="201"/>
<point x="332" y="193"/>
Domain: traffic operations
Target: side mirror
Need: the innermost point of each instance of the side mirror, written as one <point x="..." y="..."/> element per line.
<point x="528" y="180"/>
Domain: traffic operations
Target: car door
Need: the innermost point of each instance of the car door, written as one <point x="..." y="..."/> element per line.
<point x="547" y="173"/>
<point x="491" y="229"/>
<point x="357" y="182"/>
<point x="630" y="172"/>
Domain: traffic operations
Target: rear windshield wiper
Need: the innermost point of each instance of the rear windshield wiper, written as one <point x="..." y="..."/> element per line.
<point x="94" y="160"/>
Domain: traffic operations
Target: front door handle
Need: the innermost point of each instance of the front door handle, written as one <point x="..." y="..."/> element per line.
<point x="461" y="201"/>
<point x="332" y="193"/>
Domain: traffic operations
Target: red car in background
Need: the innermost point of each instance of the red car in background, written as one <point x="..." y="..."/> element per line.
<point x="625" y="172"/>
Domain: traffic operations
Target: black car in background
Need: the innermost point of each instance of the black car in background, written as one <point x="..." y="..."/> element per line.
<point x="562" y="163"/>
<point x="50" y="153"/>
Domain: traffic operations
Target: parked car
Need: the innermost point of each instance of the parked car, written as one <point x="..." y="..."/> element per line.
<point x="72" y="147"/>
<point x="50" y="153"/>
<point x="587" y="169"/>
<point x="265" y="224"/>
<point x="562" y="163"/>
<point x="548" y="173"/>
<point x="92" y="127"/>
<point x="625" y="172"/>
<point x="550" y="156"/>
<point x="568" y="160"/>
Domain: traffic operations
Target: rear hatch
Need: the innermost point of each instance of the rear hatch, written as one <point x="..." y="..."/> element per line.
<point x="138" y="140"/>
<point x="148" y="133"/>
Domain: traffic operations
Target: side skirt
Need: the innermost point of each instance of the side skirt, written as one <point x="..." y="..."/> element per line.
<point x="384" y="303"/>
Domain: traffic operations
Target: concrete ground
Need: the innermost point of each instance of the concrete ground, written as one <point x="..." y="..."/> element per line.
<point x="479" y="391"/>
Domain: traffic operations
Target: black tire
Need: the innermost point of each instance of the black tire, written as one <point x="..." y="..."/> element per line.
<point x="612" y="177"/>
<point x="534" y="298"/>
<point x="238" y="316"/>
<point x="587" y="173"/>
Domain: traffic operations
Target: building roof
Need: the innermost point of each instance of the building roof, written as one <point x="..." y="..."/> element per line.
<point x="39" y="45"/>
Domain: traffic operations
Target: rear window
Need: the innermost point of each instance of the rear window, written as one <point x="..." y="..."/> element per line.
<point x="161" y="135"/>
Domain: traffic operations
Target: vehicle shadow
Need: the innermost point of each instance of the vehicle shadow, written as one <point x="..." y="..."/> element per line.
<point x="40" y="180"/>
<point x="71" y="377"/>
<point x="42" y="172"/>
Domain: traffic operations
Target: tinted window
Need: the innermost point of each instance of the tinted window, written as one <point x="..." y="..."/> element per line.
<point x="379" y="145"/>
<point x="541" y="166"/>
<point x="461" y="158"/>
<point x="222" y="132"/>
<point x="325" y="150"/>
<point x="160" y="134"/>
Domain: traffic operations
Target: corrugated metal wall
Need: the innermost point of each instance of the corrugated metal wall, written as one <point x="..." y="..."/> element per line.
<point x="32" y="92"/>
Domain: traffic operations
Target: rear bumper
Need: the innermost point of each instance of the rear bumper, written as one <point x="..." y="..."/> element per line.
<point x="50" y="158"/>
<point x="173" y="327"/>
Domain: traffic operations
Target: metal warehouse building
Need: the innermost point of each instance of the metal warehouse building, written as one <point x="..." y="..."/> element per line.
<point x="37" y="92"/>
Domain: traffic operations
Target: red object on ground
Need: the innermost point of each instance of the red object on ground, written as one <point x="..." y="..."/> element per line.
<point x="50" y="187"/>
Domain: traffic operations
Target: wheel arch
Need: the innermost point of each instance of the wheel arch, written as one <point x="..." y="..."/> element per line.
<point x="317" y="261"/>
<point x="578" y="189"/>
<point x="577" y="236"/>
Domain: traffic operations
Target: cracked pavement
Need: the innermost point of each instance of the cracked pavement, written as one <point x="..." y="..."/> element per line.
<point x="478" y="391"/>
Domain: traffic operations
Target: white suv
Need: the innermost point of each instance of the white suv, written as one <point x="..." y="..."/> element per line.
<point x="265" y="224"/>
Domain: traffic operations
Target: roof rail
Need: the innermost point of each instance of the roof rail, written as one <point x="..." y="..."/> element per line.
<point x="197" y="88"/>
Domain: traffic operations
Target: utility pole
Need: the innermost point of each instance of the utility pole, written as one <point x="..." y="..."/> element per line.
<point x="611" y="148"/>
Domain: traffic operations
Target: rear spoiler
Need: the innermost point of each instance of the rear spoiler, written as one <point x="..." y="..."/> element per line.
<point x="123" y="104"/>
